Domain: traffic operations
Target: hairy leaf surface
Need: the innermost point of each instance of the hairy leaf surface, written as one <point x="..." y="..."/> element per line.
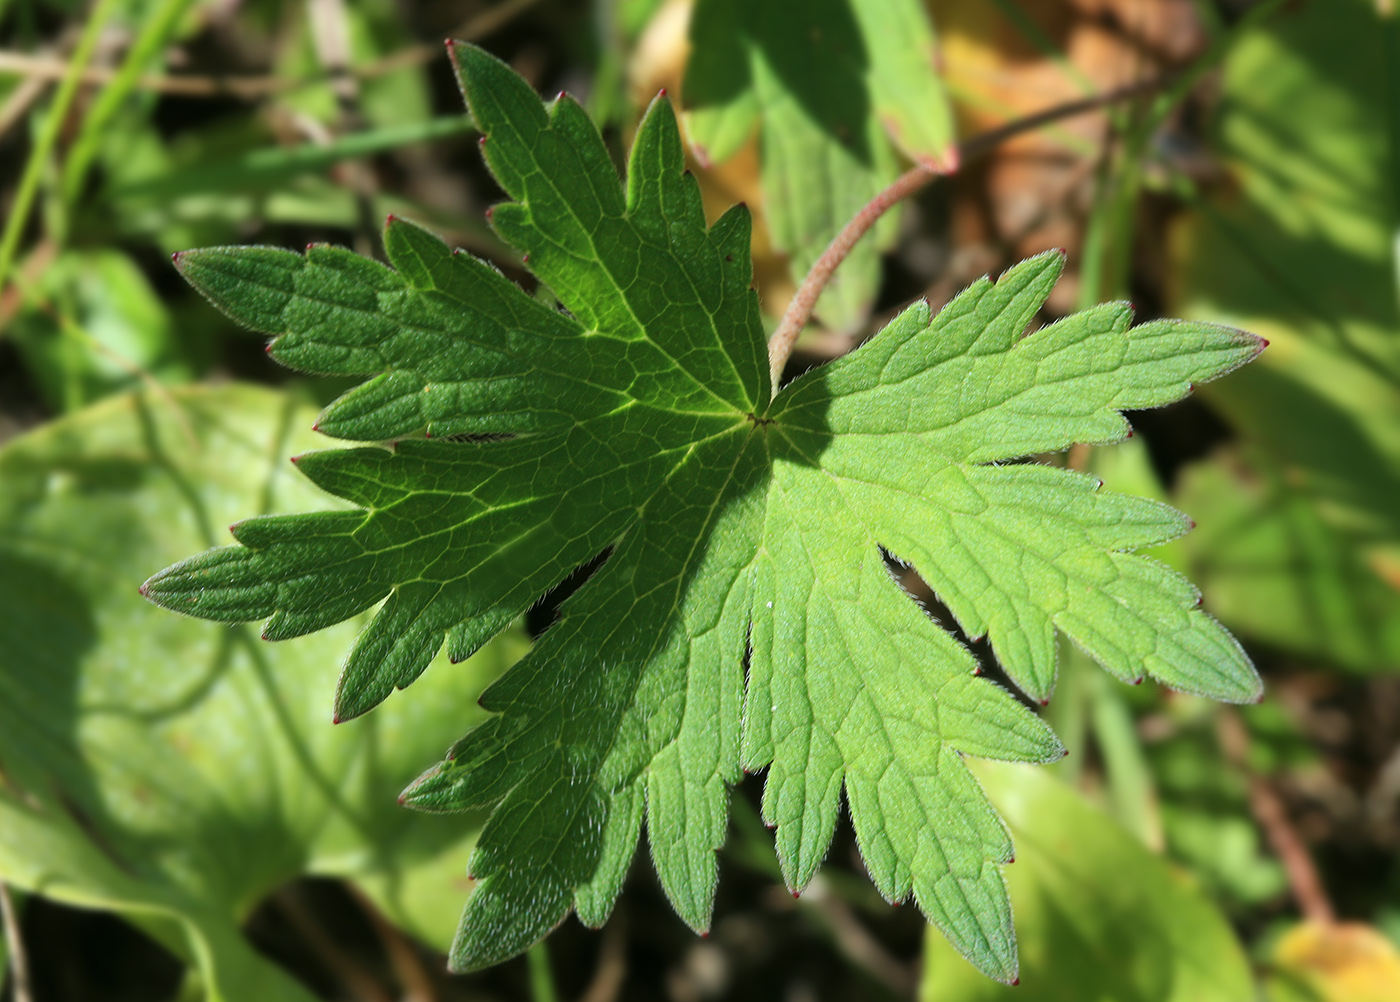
<point x="743" y="530"/>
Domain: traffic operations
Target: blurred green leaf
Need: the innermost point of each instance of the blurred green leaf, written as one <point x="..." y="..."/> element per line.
<point x="1300" y="247"/>
<point x="833" y="87"/>
<point x="173" y="774"/>
<point x="1097" y="915"/>
<point x="1276" y="569"/>
<point x="271" y="167"/>
<point x="91" y="324"/>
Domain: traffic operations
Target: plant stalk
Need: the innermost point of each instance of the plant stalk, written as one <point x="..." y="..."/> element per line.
<point x="19" y="961"/>
<point x="799" y="311"/>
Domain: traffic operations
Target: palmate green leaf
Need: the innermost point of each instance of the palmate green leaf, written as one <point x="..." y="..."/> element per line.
<point x="833" y="88"/>
<point x="742" y="529"/>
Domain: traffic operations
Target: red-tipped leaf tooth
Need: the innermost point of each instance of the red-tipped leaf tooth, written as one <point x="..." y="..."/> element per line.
<point x="1136" y="681"/>
<point x="1199" y="599"/>
<point x="311" y="245"/>
<point x="1011" y="859"/>
<point x="176" y="258"/>
<point x="335" y="719"/>
<point x="977" y="671"/>
<point x="481" y="141"/>
<point x="403" y="798"/>
<point x="489" y="210"/>
<point x="1263" y="343"/>
<point x="1015" y="982"/>
<point x="1130" y="433"/>
<point x="661" y="92"/>
<point x="267" y="350"/>
<point x="1192" y="521"/>
<point x="294" y="460"/>
<point x="145" y="589"/>
<point x="525" y="259"/>
<point x="561" y="95"/>
<point x="390" y="218"/>
<point x="796" y="894"/>
<point x="1044" y="702"/>
<point x="705" y="934"/>
<point x="1190" y="387"/>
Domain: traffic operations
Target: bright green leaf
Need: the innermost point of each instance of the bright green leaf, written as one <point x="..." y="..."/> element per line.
<point x="638" y="421"/>
<point x="1099" y="916"/>
<point x="834" y="87"/>
<point x="172" y="773"/>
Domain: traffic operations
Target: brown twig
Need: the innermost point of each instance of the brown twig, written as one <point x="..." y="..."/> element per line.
<point x="415" y="981"/>
<point x="252" y="88"/>
<point x="1269" y="810"/>
<point x="856" y="942"/>
<point x="611" y="971"/>
<point x="19" y="960"/>
<point x="357" y="980"/>
<point x="799" y="311"/>
<point x="20" y="101"/>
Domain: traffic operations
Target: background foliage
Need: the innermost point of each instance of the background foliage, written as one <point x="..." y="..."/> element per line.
<point x="177" y="815"/>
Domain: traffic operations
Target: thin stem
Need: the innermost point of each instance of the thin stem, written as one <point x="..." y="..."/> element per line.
<point x="53" y="125"/>
<point x="19" y="961"/>
<point x="799" y="311"/>
<point x="541" y="977"/>
<point x="1268" y="809"/>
